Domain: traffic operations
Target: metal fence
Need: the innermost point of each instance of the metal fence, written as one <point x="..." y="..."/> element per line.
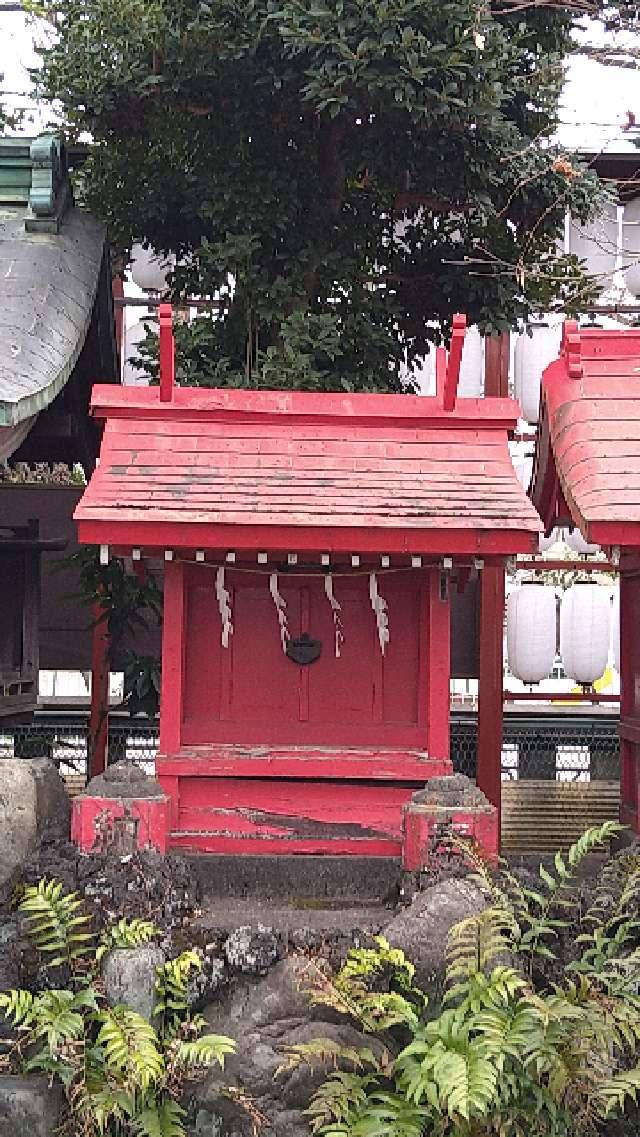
<point x="560" y="746"/>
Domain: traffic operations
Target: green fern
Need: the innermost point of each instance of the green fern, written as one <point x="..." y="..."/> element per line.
<point x="56" y="923"/>
<point x="126" y="934"/>
<point x="205" y="1051"/>
<point x="162" y="1119"/>
<point x="172" y="979"/>
<point x="130" y="1048"/>
<point x="17" y="1006"/>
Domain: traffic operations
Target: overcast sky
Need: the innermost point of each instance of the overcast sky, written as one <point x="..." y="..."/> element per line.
<point x="594" y="111"/>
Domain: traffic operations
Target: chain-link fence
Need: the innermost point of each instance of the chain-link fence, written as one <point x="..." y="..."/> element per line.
<point x="561" y="746"/>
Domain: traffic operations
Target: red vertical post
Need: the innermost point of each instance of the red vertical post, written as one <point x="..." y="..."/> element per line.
<point x="496" y="365"/>
<point x="439" y="665"/>
<point x="452" y="376"/>
<point x="167" y="354"/>
<point x="492" y="597"/>
<point x="629" y="693"/>
<point x="99" y="715"/>
<point x="173" y="648"/>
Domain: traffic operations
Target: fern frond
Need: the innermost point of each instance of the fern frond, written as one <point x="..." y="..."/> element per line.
<point x="130" y="1048"/>
<point x="17" y="1006"/>
<point x="614" y="1093"/>
<point x="205" y="1051"/>
<point x="126" y="934"/>
<point x="328" y="1052"/>
<point x="477" y="942"/>
<point x="162" y="1119"/>
<point x="171" y="985"/>
<point x="56" y="923"/>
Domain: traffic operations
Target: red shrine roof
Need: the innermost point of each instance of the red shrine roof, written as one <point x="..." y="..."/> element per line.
<point x="254" y="470"/>
<point x="587" y="467"/>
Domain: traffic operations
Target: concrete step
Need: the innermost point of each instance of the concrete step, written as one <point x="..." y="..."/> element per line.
<point x="331" y="881"/>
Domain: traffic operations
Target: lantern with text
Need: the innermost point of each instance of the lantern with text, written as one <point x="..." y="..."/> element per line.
<point x="585" y="621"/>
<point x="471" y="381"/>
<point x="615" y="630"/>
<point x="531" y="632"/>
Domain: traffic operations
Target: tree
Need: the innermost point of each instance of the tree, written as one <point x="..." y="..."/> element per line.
<point x="343" y="175"/>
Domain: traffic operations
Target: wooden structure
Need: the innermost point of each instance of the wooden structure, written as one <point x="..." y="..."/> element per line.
<point x="311" y="543"/>
<point x="587" y="474"/>
<point x="57" y="329"/>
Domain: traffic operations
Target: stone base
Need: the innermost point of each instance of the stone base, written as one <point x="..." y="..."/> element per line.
<point x="448" y="805"/>
<point x="101" y="824"/>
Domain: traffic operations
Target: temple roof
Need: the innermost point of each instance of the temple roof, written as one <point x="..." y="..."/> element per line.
<point x="51" y="257"/>
<point x="587" y="467"/>
<point x="255" y="470"/>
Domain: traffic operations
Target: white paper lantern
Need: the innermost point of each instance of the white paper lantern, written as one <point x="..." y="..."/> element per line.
<point x="471" y="381"/>
<point x="531" y="632"/>
<point x="615" y="629"/>
<point x="135" y="335"/>
<point x="576" y="541"/>
<point x="597" y="244"/>
<point x="524" y="470"/>
<point x="546" y="543"/>
<point x="149" y="270"/>
<point x="533" y="352"/>
<point x="631" y="245"/>
<point x="585" y="623"/>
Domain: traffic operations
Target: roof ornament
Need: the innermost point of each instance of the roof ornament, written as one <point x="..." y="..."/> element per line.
<point x="50" y="194"/>
<point x="572" y="349"/>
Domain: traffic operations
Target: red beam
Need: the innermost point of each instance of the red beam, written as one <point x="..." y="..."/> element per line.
<point x="559" y="697"/>
<point x="98" y="736"/>
<point x="496" y="365"/>
<point x="452" y="376"/>
<point x="536" y="565"/>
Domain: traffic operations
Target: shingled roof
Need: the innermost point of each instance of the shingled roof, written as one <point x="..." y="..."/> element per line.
<point x="587" y="467"/>
<point x="265" y="469"/>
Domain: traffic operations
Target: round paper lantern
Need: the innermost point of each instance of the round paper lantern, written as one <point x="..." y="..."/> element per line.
<point x="524" y="469"/>
<point x="615" y="630"/>
<point x="546" y="543"/>
<point x="535" y="349"/>
<point x="631" y="245"/>
<point x="135" y="335"/>
<point x="597" y="244"/>
<point x="576" y="541"/>
<point x="531" y="632"/>
<point x="471" y="381"/>
<point x="149" y="270"/>
<point x="585" y="622"/>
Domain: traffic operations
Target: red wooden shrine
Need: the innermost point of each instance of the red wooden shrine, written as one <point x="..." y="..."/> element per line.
<point x="587" y="474"/>
<point x="310" y="542"/>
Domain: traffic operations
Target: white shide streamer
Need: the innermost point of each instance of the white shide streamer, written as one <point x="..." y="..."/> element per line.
<point x="281" y="609"/>
<point x="379" y="605"/>
<point x="224" y="606"/>
<point x="336" y="610"/>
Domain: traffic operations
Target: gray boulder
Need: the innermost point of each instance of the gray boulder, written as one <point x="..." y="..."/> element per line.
<point x="33" y="804"/>
<point x="129" y="976"/>
<point x="29" y="1106"/>
<point x="265" y="1018"/>
<point x="251" y="950"/>
<point x="421" y="930"/>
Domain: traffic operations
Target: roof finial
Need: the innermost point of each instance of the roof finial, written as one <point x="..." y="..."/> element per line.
<point x="167" y="354"/>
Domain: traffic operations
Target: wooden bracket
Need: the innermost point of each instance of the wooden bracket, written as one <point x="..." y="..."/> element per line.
<point x="167" y="354"/>
<point x="450" y="391"/>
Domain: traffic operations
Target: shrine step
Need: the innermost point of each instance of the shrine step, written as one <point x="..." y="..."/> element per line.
<point x="328" y="880"/>
<point x="295" y="923"/>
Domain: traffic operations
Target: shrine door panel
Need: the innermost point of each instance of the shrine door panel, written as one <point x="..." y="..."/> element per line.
<point x="252" y="692"/>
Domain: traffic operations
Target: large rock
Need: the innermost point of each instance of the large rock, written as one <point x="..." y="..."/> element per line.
<point x="251" y="950"/>
<point x="129" y="976"/>
<point x="33" y="804"/>
<point x="265" y="1018"/>
<point x="421" y="930"/>
<point x="29" y="1106"/>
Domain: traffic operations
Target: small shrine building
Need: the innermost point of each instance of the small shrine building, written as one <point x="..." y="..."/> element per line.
<point x="311" y="543"/>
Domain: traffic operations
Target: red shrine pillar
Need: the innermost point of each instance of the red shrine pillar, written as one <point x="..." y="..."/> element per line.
<point x="630" y="691"/>
<point x="489" y="747"/>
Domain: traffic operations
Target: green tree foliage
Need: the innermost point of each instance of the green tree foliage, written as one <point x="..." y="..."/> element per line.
<point x="343" y="175"/>
<point x="123" y="1076"/>
<point x="508" y="1053"/>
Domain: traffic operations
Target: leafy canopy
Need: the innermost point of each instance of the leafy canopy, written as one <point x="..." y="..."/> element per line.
<point x="343" y="175"/>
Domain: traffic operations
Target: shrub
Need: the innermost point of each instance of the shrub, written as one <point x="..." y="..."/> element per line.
<point x="123" y="1076"/>
<point x="508" y="1053"/>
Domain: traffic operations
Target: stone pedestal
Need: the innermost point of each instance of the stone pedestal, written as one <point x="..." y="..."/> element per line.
<point x="447" y="805"/>
<point x="121" y="810"/>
